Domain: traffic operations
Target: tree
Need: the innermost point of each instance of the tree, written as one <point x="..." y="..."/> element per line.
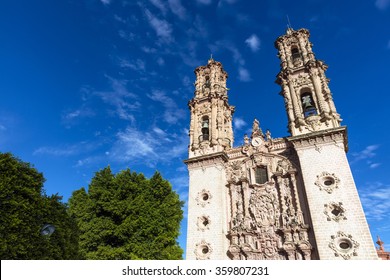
<point x="126" y="216"/>
<point x="25" y="209"/>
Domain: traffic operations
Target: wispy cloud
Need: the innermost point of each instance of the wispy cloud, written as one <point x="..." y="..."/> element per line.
<point x="162" y="28"/>
<point x="367" y="153"/>
<point x="160" y="5"/>
<point x="123" y="101"/>
<point x="253" y="43"/>
<point x="382" y="4"/>
<point x="70" y="117"/>
<point x="376" y="201"/>
<point x="243" y="74"/>
<point x="177" y="8"/>
<point x="205" y="2"/>
<point x="238" y="123"/>
<point x="66" y="149"/>
<point x="105" y="2"/>
<point x="136" y="65"/>
<point x="172" y="113"/>
<point x="149" y="147"/>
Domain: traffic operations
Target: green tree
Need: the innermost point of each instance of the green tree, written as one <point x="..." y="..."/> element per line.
<point x="127" y="216"/>
<point x="25" y="209"/>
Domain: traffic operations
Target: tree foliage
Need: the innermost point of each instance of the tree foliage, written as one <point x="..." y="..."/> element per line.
<point x="127" y="216"/>
<point x="25" y="209"/>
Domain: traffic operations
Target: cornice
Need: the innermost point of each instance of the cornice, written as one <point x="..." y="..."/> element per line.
<point x="207" y="160"/>
<point x="322" y="137"/>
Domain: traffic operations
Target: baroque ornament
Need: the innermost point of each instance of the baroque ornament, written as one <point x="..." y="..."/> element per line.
<point x="327" y="181"/>
<point x="343" y="245"/>
<point x="203" y="198"/>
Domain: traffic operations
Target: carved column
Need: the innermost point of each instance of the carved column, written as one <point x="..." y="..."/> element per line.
<point x="213" y="125"/>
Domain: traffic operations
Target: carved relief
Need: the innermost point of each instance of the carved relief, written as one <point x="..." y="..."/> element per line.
<point x="267" y="221"/>
<point x="203" y="198"/>
<point x="203" y="223"/>
<point x="334" y="211"/>
<point x="343" y="245"/>
<point x="327" y="181"/>
<point x="203" y="250"/>
<point x="264" y="207"/>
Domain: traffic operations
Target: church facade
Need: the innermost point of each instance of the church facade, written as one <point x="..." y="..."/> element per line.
<point x="273" y="198"/>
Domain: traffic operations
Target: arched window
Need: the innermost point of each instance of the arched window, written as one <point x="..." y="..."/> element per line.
<point x="261" y="175"/>
<point x="295" y="54"/>
<point x="308" y="106"/>
<point x="205" y="128"/>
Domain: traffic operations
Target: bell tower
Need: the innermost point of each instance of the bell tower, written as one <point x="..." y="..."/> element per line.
<point x="320" y="143"/>
<point x="308" y="100"/>
<point x="211" y="116"/>
<point x="211" y="136"/>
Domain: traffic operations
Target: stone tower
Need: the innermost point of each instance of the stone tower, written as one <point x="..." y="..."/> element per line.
<point x="273" y="198"/>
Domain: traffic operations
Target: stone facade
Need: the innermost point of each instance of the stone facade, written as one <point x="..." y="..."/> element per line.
<point x="279" y="199"/>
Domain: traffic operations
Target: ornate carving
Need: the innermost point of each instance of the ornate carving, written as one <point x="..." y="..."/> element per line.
<point x="267" y="221"/>
<point x="343" y="245"/>
<point x="203" y="250"/>
<point x="327" y="181"/>
<point x="203" y="222"/>
<point x="313" y="123"/>
<point x="264" y="206"/>
<point x="203" y="198"/>
<point x="334" y="211"/>
<point x="301" y="80"/>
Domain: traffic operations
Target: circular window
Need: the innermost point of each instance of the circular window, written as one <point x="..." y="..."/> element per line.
<point x="203" y="250"/>
<point x="204" y="197"/>
<point x="344" y="244"/>
<point x="328" y="181"/>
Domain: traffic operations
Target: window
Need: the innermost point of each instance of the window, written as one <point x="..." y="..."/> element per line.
<point x="295" y="54"/>
<point x="261" y="175"/>
<point x="205" y="129"/>
<point x="308" y="106"/>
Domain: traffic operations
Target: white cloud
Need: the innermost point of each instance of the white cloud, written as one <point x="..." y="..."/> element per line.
<point x="159" y="5"/>
<point x="137" y="65"/>
<point x="367" y="153"/>
<point x="160" y="61"/>
<point x="374" y="165"/>
<point x="67" y="150"/>
<point x="105" y="2"/>
<point x="243" y="74"/>
<point x="172" y="113"/>
<point x="147" y="147"/>
<point x="71" y="116"/>
<point x="128" y="36"/>
<point x="162" y="27"/>
<point x="238" y="123"/>
<point x="177" y="8"/>
<point x="375" y="198"/>
<point x="253" y="43"/>
<point x="382" y="4"/>
<point x="205" y="2"/>
<point x="123" y="100"/>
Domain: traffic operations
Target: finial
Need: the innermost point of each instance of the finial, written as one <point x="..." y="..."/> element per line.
<point x="289" y="28"/>
<point x="380" y="243"/>
<point x="211" y="58"/>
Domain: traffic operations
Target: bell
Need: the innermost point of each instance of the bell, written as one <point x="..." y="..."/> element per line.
<point x="205" y="124"/>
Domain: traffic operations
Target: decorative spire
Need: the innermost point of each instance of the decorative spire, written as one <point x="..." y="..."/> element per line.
<point x="380" y="243"/>
<point x="211" y="59"/>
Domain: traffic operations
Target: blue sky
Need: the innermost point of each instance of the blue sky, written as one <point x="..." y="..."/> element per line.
<point x="90" y="83"/>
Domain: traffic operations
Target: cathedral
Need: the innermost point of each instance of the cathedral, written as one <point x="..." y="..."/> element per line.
<point x="290" y="198"/>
